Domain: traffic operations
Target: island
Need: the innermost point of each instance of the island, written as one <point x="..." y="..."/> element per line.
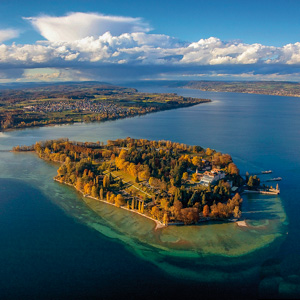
<point x="169" y="182"/>
<point x="64" y="103"/>
<point x="162" y="199"/>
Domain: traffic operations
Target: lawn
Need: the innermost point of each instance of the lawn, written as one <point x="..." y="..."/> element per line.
<point x="130" y="182"/>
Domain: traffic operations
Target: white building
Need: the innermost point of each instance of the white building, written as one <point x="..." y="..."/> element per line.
<point x="212" y="177"/>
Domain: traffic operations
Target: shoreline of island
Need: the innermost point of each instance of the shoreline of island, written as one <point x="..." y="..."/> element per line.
<point x="158" y="223"/>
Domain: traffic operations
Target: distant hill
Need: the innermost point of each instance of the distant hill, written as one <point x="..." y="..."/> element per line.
<point x="25" y="85"/>
<point x="74" y="90"/>
<point x="156" y="83"/>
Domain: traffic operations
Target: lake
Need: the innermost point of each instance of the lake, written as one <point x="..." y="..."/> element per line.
<point x="54" y="244"/>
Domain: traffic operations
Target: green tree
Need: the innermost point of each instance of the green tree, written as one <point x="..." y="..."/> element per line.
<point x="185" y="176"/>
<point x="195" y="177"/>
<point x="237" y="213"/>
<point x="166" y="219"/>
<point x="192" y="200"/>
<point x="119" y="200"/>
<point x="247" y="176"/>
<point x="196" y="160"/>
<point x="216" y="189"/>
<point x="120" y="184"/>
<point x="209" y="188"/>
<point x="79" y="184"/>
<point x="94" y="192"/>
<point x="62" y="170"/>
<point x="101" y="194"/>
<point x="250" y="182"/>
<point x="206" y="211"/>
<point x="208" y="152"/>
<point x="106" y="182"/>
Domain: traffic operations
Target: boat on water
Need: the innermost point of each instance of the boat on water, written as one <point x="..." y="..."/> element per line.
<point x="266" y="172"/>
<point x="275" y="179"/>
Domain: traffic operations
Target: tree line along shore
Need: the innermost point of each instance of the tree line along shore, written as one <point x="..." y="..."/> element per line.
<point x="169" y="182"/>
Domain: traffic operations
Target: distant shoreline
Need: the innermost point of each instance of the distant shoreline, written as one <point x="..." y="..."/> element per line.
<point x="240" y="92"/>
<point x="282" y="89"/>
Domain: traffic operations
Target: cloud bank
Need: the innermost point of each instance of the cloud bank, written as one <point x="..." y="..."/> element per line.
<point x="94" y="46"/>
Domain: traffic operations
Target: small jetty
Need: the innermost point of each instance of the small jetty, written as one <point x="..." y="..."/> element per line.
<point x="275" y="179"/>
<point x="261" y="189"/>
<point x="258" y="173"/>
<point x="266" y="192"/>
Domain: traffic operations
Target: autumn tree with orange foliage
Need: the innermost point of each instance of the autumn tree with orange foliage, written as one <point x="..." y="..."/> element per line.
<point x="206" y="211"/>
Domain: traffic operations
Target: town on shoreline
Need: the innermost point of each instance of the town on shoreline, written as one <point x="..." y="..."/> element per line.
<point x="168" y="182"/>
<point x="81" y="102"/>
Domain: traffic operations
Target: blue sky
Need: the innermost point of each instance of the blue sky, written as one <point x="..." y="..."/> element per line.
<point x="236" y="40"/>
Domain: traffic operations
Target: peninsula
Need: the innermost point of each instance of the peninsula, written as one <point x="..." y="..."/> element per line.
<point x="80" y="102"/>
<point x="168" y="182"/>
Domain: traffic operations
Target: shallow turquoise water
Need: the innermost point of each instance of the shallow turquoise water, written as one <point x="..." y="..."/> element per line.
<point x="260" y="132"/>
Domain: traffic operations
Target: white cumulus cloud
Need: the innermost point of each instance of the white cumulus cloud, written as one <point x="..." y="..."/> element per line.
<point x="78" y="25"/>
<point x="143" y="48"/>
<point x="114" y="46"/>
<point x="213" y="51"/>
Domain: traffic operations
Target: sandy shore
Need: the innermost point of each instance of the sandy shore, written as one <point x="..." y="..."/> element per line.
<point x="242" y="223"/>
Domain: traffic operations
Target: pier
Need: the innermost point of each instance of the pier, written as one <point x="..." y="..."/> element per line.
<point x="258" y="173"/>
<point x="270" y="192"/>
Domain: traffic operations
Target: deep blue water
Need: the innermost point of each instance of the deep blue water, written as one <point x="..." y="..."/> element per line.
<point x="44" y="253"/>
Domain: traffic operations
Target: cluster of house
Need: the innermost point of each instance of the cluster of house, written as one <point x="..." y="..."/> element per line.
<point x="210" y="177"/>
<point x="81" y="105"/>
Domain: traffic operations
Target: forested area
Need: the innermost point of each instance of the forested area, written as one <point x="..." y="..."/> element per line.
<point x="155" y="178"/>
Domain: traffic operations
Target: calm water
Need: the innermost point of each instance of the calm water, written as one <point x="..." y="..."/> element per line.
<point x="50" y="248"/>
